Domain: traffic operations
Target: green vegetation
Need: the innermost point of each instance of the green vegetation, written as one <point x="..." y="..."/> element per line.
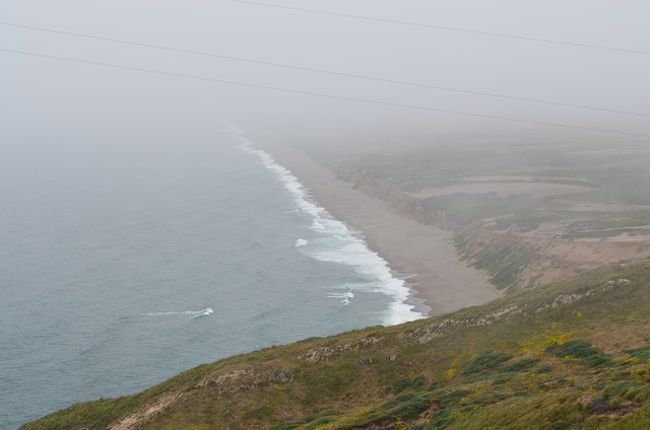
<point x="641" y="353"/>
<point x="526" y="213"/>
<point x="581" y="350"/>
<point x="486" y="361"/>
<point x="503" y="264"/>
<point x="569" y="355"/>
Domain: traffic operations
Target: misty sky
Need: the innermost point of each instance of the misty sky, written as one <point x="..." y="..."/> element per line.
<point x="45" y="101"/>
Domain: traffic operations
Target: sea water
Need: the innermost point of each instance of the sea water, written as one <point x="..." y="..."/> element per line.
<point x="122" y="266"/>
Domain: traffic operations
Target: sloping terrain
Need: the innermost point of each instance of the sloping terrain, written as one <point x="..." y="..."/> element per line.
<point x="569" y="355"/>
<point x="527" y="214"/>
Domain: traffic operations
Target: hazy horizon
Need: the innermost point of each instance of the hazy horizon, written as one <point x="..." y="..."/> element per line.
<point x="422" y="158"/>
<point x="94" y="104"/>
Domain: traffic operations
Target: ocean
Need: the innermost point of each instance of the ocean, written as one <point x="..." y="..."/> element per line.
<point x="122" y="266"/>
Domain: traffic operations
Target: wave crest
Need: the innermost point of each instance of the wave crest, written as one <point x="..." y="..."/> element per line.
<point x="301" y="242"/>
<point x="347" y="246"/>
<point x="195" y="314"/>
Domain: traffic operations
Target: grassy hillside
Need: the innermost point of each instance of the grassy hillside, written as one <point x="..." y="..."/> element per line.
<point x="566" y="356"/>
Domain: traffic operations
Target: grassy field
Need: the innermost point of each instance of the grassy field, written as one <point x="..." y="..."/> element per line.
<point x="570" y="355"/>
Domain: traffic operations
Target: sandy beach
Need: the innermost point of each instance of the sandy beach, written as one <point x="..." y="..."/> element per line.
<point x="439" y="278"/>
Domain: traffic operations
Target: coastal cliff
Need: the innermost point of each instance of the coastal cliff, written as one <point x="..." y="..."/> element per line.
<point x="514" y="261"/>
<point x="523" y="224"/>
<point x="568" y="355"/>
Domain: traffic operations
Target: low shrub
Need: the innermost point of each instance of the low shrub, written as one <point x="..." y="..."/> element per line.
<point x="453" y="396"/>
<point x="581" y="350"/>
<point x="287" y="425"/>
<point x="399" y="399"/>
<point x="573" y="348"/>
<point x="440" y="420"/>
<point x="412" y="408"/>
<point x="641" y="353"/>
<point x="313" y="421"/>
<point x="503" y="377"/>
<point x="487" y="361"/>
<point x="521" y="365"/>
<point x="406" y="383"/>
<point x="599" y="406"/>
<point x="621" y="389"/>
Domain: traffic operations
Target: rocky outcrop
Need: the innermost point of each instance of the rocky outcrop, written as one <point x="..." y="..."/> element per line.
<point x="435" y="331"/>
<point x="442" y="329"/>
<point x="147" y="412"/>
<point x="245" y="379"/>
<point x="324" y="353"/>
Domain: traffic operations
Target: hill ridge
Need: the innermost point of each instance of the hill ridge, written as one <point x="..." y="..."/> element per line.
<point x="572" y="354"/>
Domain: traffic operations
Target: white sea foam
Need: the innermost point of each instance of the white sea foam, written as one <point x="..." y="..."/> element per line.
<point x="194" y="314"/>
<point x="301" y="242"/>
<point x="346" y="246"/>
<point x="344" y="297"/>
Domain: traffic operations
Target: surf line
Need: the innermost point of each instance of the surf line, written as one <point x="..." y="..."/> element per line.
<point x="352" y="250"/>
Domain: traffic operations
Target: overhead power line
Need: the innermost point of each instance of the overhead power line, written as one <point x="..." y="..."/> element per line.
<point x="448" y="28"/>
<point x="318" y="94"/>
<point x="324" y="71"/>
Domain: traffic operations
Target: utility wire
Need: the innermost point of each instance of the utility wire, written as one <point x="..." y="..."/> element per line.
<point x="324" y="71"/>
<point x="448" y="28"/>
<point x="318" y="94"/>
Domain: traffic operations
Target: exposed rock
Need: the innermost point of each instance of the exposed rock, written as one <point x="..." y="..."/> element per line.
<point x="567" y="299"/>
<point x="366" y="361"/>
<point x="612" y="285"/>
<point x="324" y="353"/>
<point x="428" y="333"/>
<point x="246" y="379"/>
<point x="146" y="413"/>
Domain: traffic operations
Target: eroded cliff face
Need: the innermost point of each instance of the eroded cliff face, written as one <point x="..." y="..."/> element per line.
<point x="513" y="259"/>
<point x="516" y="261"/>
<point x="371" y="185"/>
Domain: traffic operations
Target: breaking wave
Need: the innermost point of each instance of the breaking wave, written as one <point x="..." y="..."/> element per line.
<point x="344" y="297"/>
<point x="194" y="314"/>
<point x="340" y="243"/>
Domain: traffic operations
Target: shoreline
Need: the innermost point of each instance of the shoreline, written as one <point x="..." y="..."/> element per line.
<point x="423" y="254"/>
<point x="360" y="256"/>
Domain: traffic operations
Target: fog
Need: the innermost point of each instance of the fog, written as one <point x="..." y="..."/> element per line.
<point x="45" y="101"/>
<point x="126" y="212"/>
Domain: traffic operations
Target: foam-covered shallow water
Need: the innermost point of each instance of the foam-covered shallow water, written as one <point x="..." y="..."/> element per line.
<point x="125" y="265"/>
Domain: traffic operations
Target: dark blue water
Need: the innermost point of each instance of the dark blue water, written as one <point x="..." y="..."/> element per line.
<point x="123" y="265"/>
